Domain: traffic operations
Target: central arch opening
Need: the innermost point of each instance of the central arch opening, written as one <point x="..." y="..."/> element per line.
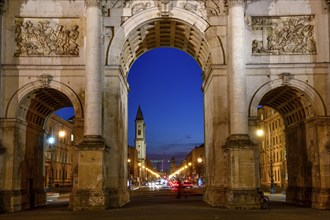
<point x="169" y="57"/>
<point x="165" y="83"/>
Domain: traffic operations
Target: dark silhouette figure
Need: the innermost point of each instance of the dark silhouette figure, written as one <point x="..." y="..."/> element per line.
<point x="178" y="195"/>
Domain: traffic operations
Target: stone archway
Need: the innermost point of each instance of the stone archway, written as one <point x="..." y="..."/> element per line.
<point x="228" y="40"/>
<point x="302" y="110"/>
<point x="148" y="25"/>
<point x="26" y="135"/>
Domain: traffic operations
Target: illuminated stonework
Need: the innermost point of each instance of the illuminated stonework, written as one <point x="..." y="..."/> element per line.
<point x="283" y="35"/>
<point x="57" y="54"/>
<point x="46" y="37"/>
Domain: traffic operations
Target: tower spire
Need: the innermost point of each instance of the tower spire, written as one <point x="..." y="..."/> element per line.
<point x="139" y="115"/>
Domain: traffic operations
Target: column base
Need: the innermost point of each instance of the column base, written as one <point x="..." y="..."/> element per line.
<point x="88" y="200"/>
<point x="308" y="197"/>
<point x="232" y="198"/>
<point x="88" y="191"/>
<point x="118" y="197"/>
<point x="11" y="201"/>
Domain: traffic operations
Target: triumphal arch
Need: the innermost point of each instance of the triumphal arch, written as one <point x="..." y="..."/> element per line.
<point x="58" y="53"/>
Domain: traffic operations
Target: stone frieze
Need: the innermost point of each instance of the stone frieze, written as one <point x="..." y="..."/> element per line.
<point x="46" y="37"/>
<point x="283" y="35"/>
<point x="202" y="8"/>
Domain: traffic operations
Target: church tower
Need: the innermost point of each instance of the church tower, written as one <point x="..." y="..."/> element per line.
<point x="140" y="137"/>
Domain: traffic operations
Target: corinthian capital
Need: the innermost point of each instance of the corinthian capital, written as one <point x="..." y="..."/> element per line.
<point x="232" y="3"/>
<point x="90" y="3"/>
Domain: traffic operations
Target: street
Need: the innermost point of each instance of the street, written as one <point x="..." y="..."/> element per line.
<point x="162" y="204"/>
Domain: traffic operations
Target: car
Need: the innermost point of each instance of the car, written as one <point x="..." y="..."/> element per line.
<point x="187" y="184"/>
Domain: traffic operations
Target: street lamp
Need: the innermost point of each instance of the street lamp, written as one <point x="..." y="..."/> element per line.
<point x="189" y="165"/>
<point x="260" y="134"/>
<point x="129" y="182"/>
<point x="199" y="161"/>
<point x="61" y="133"/>
<point x="51" y="141"/>
<point x="139" y="164"/>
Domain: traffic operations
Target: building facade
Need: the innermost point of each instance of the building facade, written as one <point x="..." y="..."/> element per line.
<point x="272" y="151"/>
<point x="56" y="54"/>
<point x="59" y="153"/>
<point x="133" y="167"/>
<point x="193" y="166"/>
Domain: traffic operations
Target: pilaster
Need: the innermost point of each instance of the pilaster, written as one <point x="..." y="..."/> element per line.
<point x="12" y="197"/>
<point x="216" y="125"/>
<point x="115" y="106"/>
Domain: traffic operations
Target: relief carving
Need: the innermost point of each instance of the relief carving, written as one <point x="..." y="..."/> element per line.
<point x="283" y="35"/>
<point x="140" y="6"/>
<point x="41" y="37"/>
<point x="195" y="6"/>
<point x="286" y="78"/>
<point x="165" y="7"/>
<point x="45" y="80"/>
<point x="108" y="36"/>
<point x="118" y="3"/>
<point x="215" y="7"/>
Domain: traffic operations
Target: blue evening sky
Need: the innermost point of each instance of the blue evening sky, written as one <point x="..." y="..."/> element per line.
<point x="166" y="83"/>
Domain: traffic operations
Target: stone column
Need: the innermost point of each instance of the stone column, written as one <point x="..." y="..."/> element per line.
<point x="93" y="90"/>
<point x="239" y="150"/>
<point x="238" y="107"/>
<point x="89" y="187"/>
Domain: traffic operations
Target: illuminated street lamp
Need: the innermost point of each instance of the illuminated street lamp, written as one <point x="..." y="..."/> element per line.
<point x="189" y="165"/>
<point x="199" y="161"/>
<point x="139" y="164"/>
<point x="61" y="133"/>
<point x="129" y="182"/>
<point x="51" y="141"/>
<point x="260" y="134"/>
